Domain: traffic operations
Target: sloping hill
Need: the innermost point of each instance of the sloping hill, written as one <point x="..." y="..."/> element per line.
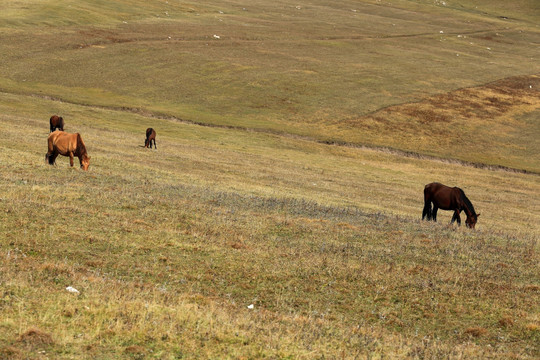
<point x="248" y="233"/>
<point x="305" y="69"/>
<point x="168" y="248"/>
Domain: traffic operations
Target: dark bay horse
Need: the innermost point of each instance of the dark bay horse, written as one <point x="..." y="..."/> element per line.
<point x="150" y="136"/>
<point x="448" y="198"/>
<point x="63" y="143"/>
<point x="56" y="122"/>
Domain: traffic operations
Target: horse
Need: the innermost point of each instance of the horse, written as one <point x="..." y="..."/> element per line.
<point x="63" y="143"/>
<point x="150" y="136"/>
<point x="56" y="122"/>
<point x="448" y="198"/>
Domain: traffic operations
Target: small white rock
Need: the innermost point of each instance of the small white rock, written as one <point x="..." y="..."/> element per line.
<point x="217" y="37"/>
<point x="72" y="290"/>
<point x="251" y="306"/>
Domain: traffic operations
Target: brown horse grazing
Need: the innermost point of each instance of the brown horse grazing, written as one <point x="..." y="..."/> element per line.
<point x="150" y="136"/>
<point x="67" y="144"/>
<point x="448" y="198"/>
<point x="56" y="122"/>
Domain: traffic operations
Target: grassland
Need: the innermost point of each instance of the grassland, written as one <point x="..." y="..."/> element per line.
<point x="306" y="69"/>
<point x="280" y="215"/>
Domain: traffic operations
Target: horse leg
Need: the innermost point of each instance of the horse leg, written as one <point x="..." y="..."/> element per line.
<point x="155" y="146"/>
<point x="458" y="218"/>
<point x="427" y="211"/>
<point x="71" y="159"/>
<point x="52" y="158"/>
<point x="434" y="213"/>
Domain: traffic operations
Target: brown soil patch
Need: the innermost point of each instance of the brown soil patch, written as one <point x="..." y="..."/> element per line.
<point x="34" y="336"/>
<point x="475" y="332"/>
<point x="477" y="103"/>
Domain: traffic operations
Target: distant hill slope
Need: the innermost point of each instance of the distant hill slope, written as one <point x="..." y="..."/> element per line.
<point x="312" y="69"/>
<point x="495" y="124"/>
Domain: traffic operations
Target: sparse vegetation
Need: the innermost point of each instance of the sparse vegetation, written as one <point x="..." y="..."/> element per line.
<point x="290" y="228"/>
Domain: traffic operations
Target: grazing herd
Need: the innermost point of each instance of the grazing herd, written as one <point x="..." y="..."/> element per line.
<point x="441" y="196"/>
<point x="63" y="143"/>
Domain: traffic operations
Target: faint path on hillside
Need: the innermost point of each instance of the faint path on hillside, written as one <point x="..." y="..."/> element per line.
<point x="112" y="38"/>
<point x="398" y="152"/>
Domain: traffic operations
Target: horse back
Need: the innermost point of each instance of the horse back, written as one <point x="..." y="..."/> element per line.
<point x="444" y="197"/>
<point x="432" y="188"/>
<point x="51" y="140"/>
<point x="63" y="142"/>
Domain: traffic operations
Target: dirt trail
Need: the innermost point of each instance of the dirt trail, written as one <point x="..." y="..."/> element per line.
<point x="513" y="87"/>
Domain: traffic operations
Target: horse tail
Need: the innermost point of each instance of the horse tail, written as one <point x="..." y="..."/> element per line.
<point x="148" y="140"/>
<point x="428" y="211"/>
<point x="50" y="149"/>
<point x="49" y="159"/>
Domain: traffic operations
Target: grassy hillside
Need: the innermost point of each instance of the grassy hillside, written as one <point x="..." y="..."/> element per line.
<point x="279" y="216"/>
<point x="303" y="68"/>
<point x="168" y="248"/>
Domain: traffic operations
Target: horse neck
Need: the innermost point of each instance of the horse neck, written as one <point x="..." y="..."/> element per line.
<point x="80" y="151"/>
<point x="468" y="211"/>
<point x="467" y="205"/>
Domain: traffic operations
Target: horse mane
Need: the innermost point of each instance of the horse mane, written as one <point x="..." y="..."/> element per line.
<point x="81" y="148"/>
<point x="467" y="202"/>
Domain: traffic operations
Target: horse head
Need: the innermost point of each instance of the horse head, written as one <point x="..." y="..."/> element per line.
<point x="85" y="162"/>
<point x="472" y="220"/>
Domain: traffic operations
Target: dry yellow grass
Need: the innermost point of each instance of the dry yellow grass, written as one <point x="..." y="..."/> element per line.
<point x="261" y="227"/>
<point x="169" y="247"/>
<point x="491" y="124"/>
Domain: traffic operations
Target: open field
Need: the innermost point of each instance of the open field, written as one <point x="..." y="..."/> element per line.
<point x="169" y="247"/>
<point x="279" y="216"/>
<point x="309" y="69"/>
